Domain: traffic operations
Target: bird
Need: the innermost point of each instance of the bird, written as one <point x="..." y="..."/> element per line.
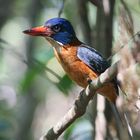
<point x="81" y="62"/>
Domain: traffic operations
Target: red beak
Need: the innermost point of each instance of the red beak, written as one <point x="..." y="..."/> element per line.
<point x="39" y="31"/>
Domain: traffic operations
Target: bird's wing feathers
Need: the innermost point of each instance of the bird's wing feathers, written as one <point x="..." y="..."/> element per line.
<point x="92" y="59"/>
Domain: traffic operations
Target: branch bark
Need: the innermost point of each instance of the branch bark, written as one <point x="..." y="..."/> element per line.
<point x="80" y="104"/>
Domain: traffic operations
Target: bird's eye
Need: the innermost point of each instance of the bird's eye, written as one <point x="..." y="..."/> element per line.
<point x="56" y="28"/>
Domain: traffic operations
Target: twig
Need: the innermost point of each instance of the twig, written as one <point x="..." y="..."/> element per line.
<point x="124" y="45"/>
<point x="17" y="54"/>
<point x="61" y="8"/>
<point x="80" y="104"/>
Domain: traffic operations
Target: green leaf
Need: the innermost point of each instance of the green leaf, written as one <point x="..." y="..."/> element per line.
<point x="65" y="84"/>
<point x="69" y="131"/>
<point x="44" y="55"/>
<point x="28" y="79"/>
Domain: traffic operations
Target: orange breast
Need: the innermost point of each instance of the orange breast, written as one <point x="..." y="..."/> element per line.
<point x="74" y="67"/>
<point x="80" y="72"/>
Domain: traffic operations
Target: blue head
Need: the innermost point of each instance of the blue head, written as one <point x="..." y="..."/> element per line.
<point x="62" y="30"/>
<point x="58" y="29"/>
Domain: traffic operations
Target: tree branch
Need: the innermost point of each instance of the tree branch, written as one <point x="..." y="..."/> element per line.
<point x="79" y="107"/>
<point x="80" y="104"/>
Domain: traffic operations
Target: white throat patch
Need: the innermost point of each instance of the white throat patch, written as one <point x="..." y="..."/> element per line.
<point x="56" y="44"/>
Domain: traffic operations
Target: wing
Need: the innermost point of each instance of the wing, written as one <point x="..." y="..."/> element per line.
<point x="92" y="59"/>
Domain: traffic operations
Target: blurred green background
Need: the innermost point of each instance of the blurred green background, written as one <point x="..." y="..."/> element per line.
<point x="34" y="90"/>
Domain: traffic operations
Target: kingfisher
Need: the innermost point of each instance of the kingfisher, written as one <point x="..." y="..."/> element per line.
<point x="81" y="62"/>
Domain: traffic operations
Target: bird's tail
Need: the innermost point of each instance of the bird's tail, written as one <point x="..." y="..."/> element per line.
<point x="123" y="120"/>
<point x="129" y="129"/>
